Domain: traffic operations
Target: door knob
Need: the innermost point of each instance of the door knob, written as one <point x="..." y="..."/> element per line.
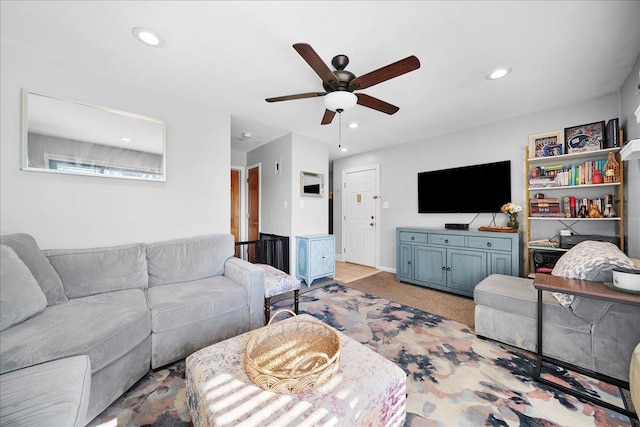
<point x="371" y="223"/>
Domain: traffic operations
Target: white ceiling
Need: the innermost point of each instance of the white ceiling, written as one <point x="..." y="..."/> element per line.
<point x="233" y="55"/>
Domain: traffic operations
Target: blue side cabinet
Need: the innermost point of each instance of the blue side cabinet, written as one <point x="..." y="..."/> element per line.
<point x="316" y="257"/>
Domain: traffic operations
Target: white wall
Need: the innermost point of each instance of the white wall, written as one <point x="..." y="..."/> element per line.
<point x="506" y="140"/>
<point x="64" y="211"/>
<point x="238" y="158"/>
<point x="310" y="215"/>
<point x="284" y="211"/>
<point x="275" y="190"/>
<point x="630" y="100"/>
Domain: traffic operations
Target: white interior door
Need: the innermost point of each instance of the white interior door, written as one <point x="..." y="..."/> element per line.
<point x="359" y="215"/>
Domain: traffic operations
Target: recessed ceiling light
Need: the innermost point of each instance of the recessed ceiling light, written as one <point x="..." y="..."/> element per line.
<point x="148" y="37"/>
<point x="498" y="73"/>
<point x="343" y="149"/>
<point x="353" y="125"/>
<point x="125" y="139"/>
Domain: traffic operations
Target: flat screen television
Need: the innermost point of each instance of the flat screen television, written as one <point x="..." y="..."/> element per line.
<point x="482" y="188"/>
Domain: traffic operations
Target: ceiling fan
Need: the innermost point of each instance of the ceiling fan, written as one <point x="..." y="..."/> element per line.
<point x="340" y="84"/>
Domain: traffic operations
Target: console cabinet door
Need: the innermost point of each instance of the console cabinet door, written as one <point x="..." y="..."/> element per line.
<point x="465" y="268"/>
<point x="429" y="265"/>
<point x="405" y="261"/>
<point x="500" y="264"/>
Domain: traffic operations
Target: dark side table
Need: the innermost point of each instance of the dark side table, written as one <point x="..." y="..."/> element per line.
<point x="584" y="288"/>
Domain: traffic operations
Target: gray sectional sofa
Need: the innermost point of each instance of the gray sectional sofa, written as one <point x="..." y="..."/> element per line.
<point x="129" y="308"/>
<point x="594" y="334"/>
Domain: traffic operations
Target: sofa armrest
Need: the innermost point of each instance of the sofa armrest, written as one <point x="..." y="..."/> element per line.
<point x="251" y="278"/>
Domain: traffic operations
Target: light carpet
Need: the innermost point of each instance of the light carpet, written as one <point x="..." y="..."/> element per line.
<point x="453" y="377"/>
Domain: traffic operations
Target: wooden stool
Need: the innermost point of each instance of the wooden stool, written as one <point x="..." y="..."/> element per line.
<point x="277" y="282"/>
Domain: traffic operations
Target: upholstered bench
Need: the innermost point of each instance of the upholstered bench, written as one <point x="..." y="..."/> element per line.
<point x="367" y="390"/>
<point x="53" y="394"/>
<point x="277" y="282"/>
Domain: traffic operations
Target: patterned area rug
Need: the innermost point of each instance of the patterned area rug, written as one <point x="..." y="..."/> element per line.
<point x="453" y="377"/>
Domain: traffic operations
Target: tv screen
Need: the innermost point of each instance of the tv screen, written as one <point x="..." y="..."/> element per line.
<point x="480" y="188"/>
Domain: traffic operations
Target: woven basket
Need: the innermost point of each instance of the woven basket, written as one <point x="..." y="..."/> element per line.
<point x="292" y="357"/>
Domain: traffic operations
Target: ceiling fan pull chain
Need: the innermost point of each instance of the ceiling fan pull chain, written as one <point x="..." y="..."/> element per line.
<point x="339" y="128"/>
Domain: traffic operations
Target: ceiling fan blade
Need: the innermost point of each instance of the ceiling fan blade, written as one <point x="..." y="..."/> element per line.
<point x="380" y="75"/>
<point x="297" y="96"/>
<point x="328" y="117"/>
<point x="316" y="63"/>
<point x="376" y="104"/>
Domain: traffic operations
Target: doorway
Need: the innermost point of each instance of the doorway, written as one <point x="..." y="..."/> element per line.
<point x="360" y="215"/>
<point x="253" y="208"/>
<point x="235" y="207"/>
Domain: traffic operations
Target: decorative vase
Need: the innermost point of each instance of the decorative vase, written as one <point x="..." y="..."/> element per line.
<point x="596" y="177"/>
<point x="513" y="223"/>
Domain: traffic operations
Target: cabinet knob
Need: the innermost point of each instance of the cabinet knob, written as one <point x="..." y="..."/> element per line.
<point x="409" y="262"/>
<point x="488" y="244"/>
<point x="448" y="268"/>
<point x="413" y="238"/>
<point x="444" y="268"/>
<point x="446" y="240"/>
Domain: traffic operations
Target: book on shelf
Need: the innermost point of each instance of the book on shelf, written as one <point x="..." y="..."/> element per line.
<point x="550" y="210"/>
<point x="544" y="202"/>
<point x="543" y="243"/>
<point x="612" y="137"/>
<point x="547" y="214"/>
<point x="542" y="181"/>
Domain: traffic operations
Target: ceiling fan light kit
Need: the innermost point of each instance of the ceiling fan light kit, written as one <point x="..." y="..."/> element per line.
<point x="340" y="100"/>
<point x="340" y="84"/>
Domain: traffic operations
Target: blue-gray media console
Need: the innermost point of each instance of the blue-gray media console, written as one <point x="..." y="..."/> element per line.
<point x="454" y="260"/>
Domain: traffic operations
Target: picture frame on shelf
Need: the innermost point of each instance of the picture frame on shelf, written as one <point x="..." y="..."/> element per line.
<point x="546" y="144"/>
<point x="587" y="137"/>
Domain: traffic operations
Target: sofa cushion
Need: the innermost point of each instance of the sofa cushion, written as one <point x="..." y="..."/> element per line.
<point x="87" y="272"/>
<point x="517" y="295"/>
<point x="20" y="295"/>
<point x="188" y="259"/>
<point x="63" y="401"/>
<point x="180" y="304"/>
<point x="105" y="327"/>
<point x="29" y="252"/>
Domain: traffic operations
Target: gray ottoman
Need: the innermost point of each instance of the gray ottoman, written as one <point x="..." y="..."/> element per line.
<point x="591" y="333"/>
<point x="506" y="311"/>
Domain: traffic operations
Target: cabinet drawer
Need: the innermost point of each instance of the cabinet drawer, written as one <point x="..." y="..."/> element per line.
<point x="406" y="236"/>
<point x="324" y="248"/>
<point x="447" y="240"/>
<point x="490" y="243"/>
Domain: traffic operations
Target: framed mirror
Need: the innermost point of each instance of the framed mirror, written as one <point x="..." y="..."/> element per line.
<point x="71" y="137"/>
<point x="311" y="184"/>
